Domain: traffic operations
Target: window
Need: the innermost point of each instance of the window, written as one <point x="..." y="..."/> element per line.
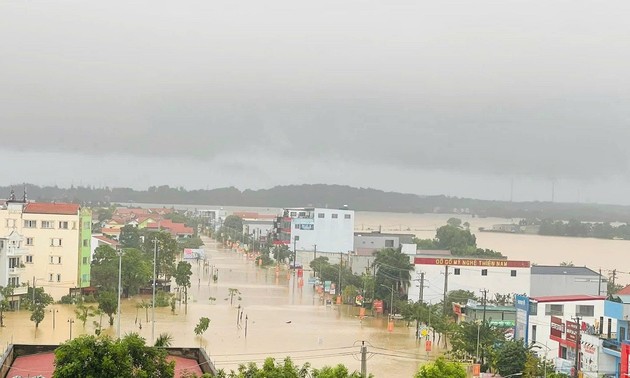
<point x="50" y="259"/>
<point x="334" y="216"/>
<point x="457" y="271"/>
<point x="389" y="244"/>
<point x="47" y="224"/>
<point x="74" y="225"/>
<point x="29" y="241"/>
<point x="513" y="273"/>
<point x="30" y="223"/>
<point x="86" y="225"/>
<point x="55" y="242"/>
<point x="554" y="309"/>
<point x="14" y="281"/>
<point x="533" y="308"/>
<point x="85" y="261"/>
<point x="55" y="259"/>
<point x="347" y="216"/>
<point x="50" y="277"/>
<point x="302" y="214"/>
<point x="584" y="310"/>
<point x="533" y="333"/>
<point x="86" y="243"/>
<point x="320" y="215"/>
<point x="484" y="272"/>
<point x="63" y="225"/>
<point x="11" y="223"/>
<point x="29" y="259"/>
<point x="58" y="277"/>
<point x="297" y="226"/>
<point x="293" y="214"/>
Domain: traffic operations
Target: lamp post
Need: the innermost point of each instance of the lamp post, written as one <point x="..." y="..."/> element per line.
<point x="391" y="303"/>
<point x="71" y="321"/>
<point x="119" y="291"/>
<point x="478" y="332"/>
<point x="154" y="284"/>
<point x="53" y="316"/>
<point x="536" y="344"/>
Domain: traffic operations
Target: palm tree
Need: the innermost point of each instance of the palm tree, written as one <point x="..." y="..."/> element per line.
<point x="164" y="340"/>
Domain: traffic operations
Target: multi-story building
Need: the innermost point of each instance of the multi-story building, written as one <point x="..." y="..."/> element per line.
<point x="310" y="229"/>
<point x="12" y="257"/>
<point x="566" y="280"/>
<point x="366" y="243"/>
<point x="497" y="276"/>
<point x="56" y="237"/>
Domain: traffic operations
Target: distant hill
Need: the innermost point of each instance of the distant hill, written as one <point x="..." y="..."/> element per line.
<point x="326" y="195"/>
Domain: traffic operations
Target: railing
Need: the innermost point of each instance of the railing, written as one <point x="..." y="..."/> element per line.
<point x="612" y="344"/>
<point x="16" y="270"/>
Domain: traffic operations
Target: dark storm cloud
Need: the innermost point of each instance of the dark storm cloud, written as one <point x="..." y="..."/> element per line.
<point x="511" y="89"/>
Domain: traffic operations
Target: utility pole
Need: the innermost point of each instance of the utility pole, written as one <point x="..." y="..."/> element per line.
<point x="421" y="291"/>
<point x="340" y="266"/>
<point x="614" y="278"/>
<point x="485" y="293"/>
<point x="154" y="284"/>
<point x="314" y="257"/>
<point x="599" y="283"/>
<point x="363" y="360"/>
<point x="578" y="341"/>
<point x="445" y="286"/>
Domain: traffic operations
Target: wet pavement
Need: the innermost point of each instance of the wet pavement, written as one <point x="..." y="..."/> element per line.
<point x="280" y="318"/>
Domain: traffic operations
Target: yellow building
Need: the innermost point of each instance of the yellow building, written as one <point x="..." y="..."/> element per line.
<point x="56" y="237"/>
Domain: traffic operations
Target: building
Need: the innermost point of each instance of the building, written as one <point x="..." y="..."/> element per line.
<point x="498" y="276"/>
<point x="56" y="237"/>
<point x="565" y="280"/>
<point x="551" y="325"/>
<point x="366" y="243"/>
<point x="99" y="240"/>
<point x="12" y="258"/>
<point x="616" y="338"/>
<point x="316" y="229"/>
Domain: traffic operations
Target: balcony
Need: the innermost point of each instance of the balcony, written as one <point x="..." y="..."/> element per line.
<point x="20" y="290"/>
<point x="15" y="271"/>
<point x="11" y="252"/>
<point x="611" y="346"/>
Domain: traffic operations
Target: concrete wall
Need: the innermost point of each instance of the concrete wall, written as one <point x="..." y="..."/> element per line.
<point x="556" y="284"/>
<point x="328" y="233"/>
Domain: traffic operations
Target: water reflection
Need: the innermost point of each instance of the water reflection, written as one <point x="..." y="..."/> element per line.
<point x="282" y="319"/>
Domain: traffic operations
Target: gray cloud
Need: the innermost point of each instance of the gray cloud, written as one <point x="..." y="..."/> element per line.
<point x="532" y="89"/>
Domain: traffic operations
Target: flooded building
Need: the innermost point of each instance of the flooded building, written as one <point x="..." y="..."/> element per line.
<point x="56" y="239"/>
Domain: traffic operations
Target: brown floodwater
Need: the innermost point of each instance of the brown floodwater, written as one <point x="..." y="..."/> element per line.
<point x="281" y="318"/>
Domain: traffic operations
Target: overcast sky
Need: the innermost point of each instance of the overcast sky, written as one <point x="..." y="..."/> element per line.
<point x="429" y="97"/>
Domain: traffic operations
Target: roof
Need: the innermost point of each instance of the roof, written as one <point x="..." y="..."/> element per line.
<point x="52" y="208"/>
<point x="568" y="298"/>
<point x="568" y="270"/>
<point x="624" y="291"/>
<point x="110" y="230"/>
<point x="106" y="240"/>
<point x="380" y="234"/>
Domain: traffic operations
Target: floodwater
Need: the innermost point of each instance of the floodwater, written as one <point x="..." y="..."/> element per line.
<point x="594" y="253"/>
<point x="281" y="320"/>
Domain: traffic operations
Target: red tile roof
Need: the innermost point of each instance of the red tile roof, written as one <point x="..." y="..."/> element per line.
<point x="106" y="240"/>
<point x="569" y="298"/>
<point x="52" y="208"/>
<point x="624" y="291"/>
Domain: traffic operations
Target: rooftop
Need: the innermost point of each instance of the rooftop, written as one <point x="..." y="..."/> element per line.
<point x="52" y="208"/>
<point x="380" y="234"/>
<point x="561" y="269"/>
<point x="568" y="298"/>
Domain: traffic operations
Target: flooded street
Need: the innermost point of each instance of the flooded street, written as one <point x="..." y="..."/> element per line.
<point x="281" y="320"/>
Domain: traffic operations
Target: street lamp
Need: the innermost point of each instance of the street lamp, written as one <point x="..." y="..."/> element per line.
<point x="71" y="321"/>
<point x="536" y="344"/>
<point x="154" y="284"/>
<point x="53" y="316"/>
<point x="391" y="309"/>
<point x="120" y="253"/>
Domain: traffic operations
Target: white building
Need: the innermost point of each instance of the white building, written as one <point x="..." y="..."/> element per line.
<point x="56" y="237"/>
<point x="12" y="258"/>
<point x="553" y="329"/>
<point x="326" y="230"/>
<point x="498" y="276"/>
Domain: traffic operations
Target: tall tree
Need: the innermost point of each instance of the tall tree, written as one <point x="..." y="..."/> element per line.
<point x="167" y="251"/>
<point x="511" y="357"/>
<point x="5" y="294"/>
<point x="441" y="368"/>
<point x="38" y="312"/>
<point x="130" y="237"/>
<point x="392" y="270"/>
<point x="233" y="223"/>
<point x="108" y="303"/>
<point x="102" y="357"/>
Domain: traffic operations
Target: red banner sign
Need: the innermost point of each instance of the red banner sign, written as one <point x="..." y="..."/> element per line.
<point x="557" y="328"/>
<point x="471" y="262"/>
<point x="572" y="330"/>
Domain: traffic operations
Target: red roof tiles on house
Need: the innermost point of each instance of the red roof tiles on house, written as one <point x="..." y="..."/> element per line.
<point x="569" y="298"/>
<point x="52" y="208"/>
<point x="624" y="291"/>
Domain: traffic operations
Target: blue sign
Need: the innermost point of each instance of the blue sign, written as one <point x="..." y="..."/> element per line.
<point x="521" y="302"/>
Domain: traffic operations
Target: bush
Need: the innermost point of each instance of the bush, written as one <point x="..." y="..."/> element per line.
<point x="66" y="299"/>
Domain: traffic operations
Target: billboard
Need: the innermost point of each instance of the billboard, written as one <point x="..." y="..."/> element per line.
<point x="557" y="328"/>
<point x="190" y="253"/>
<point x="521" y="302"/>
<point x="305" y="224"/>
<point x="571" y="330"/>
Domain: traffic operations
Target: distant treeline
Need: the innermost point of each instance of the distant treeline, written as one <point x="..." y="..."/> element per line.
<point x="326" y="196"/>
<point x="581" y="229"/>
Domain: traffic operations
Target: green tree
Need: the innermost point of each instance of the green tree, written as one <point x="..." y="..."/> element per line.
<point x="202" y="326"/>
<point x="392" y="270"/>
<point x="182" y="278"/>
<point x="167" y="251"/>
<point x="130" y="237"/>
<point x="339" y="371"/>
<point x="234" y="224"/>
<point x="164" y="340"/>
<point x="104" y="269"/>
<point x="108" y="303"/>
<point x="102" y="357"/>
<point x="38" y="312"/>
<point x="39" y="297"/>
<point x="467" y="334"/>
<point x="83" y="312"/>
<point x="455" y="222"/>
<point x="441" y="368"/>
<point x="455" y="239"/>
<point x="232" y="292"/>
<point x="457" y="296"/>
<point x="511" y="357"/>
<point x="5" y="293"/>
